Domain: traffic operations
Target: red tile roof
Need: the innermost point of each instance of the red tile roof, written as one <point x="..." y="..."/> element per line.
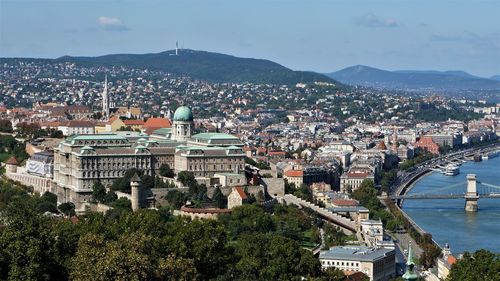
<point x="112" y="119"/>
<point x="12" y="161"/>
<point x="451" y="260"/>
<point x="381" y="145"/>
<point x="357" y="175"/>
<point x="133" y="122"/>
<point x="294" y="173"/>
<point x="158" y="123"/>
<point x="345" y="202"/>
<point x="241" y="192"/>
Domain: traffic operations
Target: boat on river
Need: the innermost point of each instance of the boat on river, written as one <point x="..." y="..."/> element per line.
<point x="451" y="170"/>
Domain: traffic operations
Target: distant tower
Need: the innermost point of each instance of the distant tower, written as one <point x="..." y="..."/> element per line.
<point x="176" y="48"/>
<point x="410" y="274"/>
<point x="105" y="99"/>
<point x="135" y="185"/>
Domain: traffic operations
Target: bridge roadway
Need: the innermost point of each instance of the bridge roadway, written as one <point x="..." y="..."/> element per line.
<point x="326" y="214"/>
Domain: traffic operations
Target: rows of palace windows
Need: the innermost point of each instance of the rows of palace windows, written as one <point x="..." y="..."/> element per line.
<point x="100" y="142"/>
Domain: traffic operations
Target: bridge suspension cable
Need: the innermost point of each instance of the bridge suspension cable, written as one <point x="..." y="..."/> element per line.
<point x="489" y="184"/>
<point x="442" y="188"/>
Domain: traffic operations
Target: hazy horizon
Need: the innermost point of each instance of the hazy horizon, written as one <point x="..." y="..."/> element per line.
<point x="323" y="37"/>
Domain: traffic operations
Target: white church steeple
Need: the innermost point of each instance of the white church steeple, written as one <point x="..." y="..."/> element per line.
<point x="105" y="99"/>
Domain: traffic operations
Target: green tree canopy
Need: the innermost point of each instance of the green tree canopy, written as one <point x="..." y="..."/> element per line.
<point x="482" y="265"/>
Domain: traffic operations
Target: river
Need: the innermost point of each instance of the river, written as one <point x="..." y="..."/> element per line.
<point x="447" y="220"/>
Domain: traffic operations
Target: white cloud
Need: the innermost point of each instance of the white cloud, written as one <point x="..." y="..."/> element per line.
<point x="372" y="20"/>
<point x="111" y="24"/>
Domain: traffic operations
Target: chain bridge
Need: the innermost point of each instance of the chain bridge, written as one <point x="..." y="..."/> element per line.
<point x="475" y="190"/>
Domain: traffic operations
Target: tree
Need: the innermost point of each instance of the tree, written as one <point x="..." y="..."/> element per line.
<point x="5" y="126"/>
<point x="147" y="181"/>
<point x="199" y="239"/>
<point x="46" y="203"/>
<point x="26" y="245"/>
<point x="482" y="265"/>
<point x="304" y="192"/>
<point x="67" y="209"/>
<point x="122" y="203"/>
<point x="174" y="268"/>
<point x="129" y="258"/>
<point x="28" y="129"/>
<point x="58" y="134"/>
<point x="219" y="198"/>
<point x="175" y="198"/>
<point x="166" y="171"/>
<point x="430" y="251"/>
<point x="186" y="178"/>
<point x="123" y="184"/>
<point x="98" y="192"/>
<point x="247" y="218"/>
<point x="331" y="274"/>
<point x="273" y="257"/>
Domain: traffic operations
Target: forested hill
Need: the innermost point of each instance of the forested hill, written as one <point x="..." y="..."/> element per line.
<point x="208" y="66"/>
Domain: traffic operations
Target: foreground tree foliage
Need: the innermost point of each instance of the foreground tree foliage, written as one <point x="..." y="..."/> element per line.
<point x="249" y="244"/>
<point x="482" y="265"/>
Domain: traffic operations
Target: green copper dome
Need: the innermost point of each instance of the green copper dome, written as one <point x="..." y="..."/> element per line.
<point x="183" y="113"/>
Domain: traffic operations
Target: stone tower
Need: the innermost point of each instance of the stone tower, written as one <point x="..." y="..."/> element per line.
<point x="136" y="197"/>
<point x="410" y="273"/>
<point x="471" y="196"/>
<point x="395" y="140"/>
<point x="182" y="125"/>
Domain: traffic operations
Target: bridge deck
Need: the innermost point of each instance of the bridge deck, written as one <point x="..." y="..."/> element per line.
<point x="443" y="196"/>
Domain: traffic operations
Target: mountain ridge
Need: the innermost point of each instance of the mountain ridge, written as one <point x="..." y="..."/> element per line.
<point x="210" y="66"/>
<point x="362" y="75"/>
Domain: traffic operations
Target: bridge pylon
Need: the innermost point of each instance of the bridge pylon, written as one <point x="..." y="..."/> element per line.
<point x="471" y="196"/>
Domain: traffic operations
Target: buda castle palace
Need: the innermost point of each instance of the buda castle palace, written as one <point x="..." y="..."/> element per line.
<point x="81" y="160"/>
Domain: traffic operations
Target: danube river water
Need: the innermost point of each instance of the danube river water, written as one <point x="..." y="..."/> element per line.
<point x="447" y="220"/>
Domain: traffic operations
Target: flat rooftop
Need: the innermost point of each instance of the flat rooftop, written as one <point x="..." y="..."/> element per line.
<point x="355" y="253"/>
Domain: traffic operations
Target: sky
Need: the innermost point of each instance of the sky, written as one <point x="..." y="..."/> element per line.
<point x="317" y="35"/>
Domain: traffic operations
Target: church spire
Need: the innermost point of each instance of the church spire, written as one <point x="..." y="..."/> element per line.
<point x="410" y="274"/>
<point x="105" y="99"/>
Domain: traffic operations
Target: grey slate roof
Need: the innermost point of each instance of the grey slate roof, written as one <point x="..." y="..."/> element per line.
<point x="358" y="253"/>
